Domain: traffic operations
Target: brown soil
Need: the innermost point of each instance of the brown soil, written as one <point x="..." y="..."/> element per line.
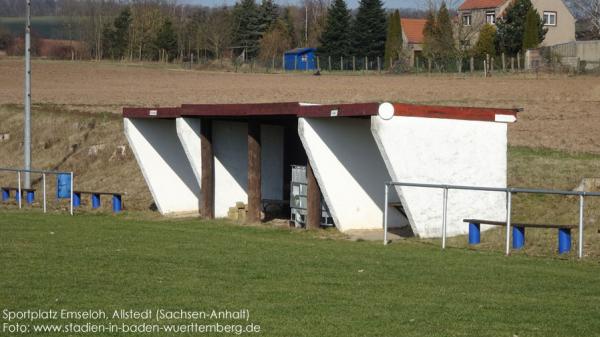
<point x="561" y="112"/>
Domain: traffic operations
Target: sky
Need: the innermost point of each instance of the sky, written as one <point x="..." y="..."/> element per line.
<point x="351" y="3"/>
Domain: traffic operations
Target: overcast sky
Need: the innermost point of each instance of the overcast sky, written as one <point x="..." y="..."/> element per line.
<point x="351" y="3"/>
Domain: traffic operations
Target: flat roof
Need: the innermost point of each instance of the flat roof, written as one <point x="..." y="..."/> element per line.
<point x="297" y="109"/>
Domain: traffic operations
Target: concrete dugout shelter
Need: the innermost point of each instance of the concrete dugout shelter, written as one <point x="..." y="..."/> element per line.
<point x="203" y="158"/>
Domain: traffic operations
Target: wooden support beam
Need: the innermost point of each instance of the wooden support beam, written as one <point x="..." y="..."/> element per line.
<point x="207" y="181"/>
<point x="254" y="173"/>
<point x="313" y="217"/>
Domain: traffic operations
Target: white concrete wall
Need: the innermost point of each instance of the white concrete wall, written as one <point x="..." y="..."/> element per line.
<point x="445" y="151"/>
<point x="188" y="131"/>
<point x="271" y="139"/>
<point x="230" y="147"/>
<point x="164" y="164"/>
<point x="349" y="170"/>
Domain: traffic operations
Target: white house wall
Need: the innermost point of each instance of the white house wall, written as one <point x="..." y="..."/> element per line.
<point x="445" y="151"/>
<point x="164" y="164"/>
<point x="188" y="131"/>
<point x="349" y="171"/>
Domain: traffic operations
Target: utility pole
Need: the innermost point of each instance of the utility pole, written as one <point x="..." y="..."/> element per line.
<point x="27" y="124"/>
<point x="306" y="25"/>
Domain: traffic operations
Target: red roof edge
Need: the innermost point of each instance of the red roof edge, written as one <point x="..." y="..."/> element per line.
<point x="294" y="109"/>
<point x="463" y="113"/>
<point x="254" y="109"/>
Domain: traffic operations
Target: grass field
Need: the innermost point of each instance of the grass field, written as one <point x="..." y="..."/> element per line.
<point x="294" y="283"/>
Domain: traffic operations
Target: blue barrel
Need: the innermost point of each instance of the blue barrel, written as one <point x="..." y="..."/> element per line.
<point x="117" y="203"/>
<point x="474" y="234"/>
<point x="95" y="200"/>
<point x="518" y="237"/>
<point x="30" y="197"/>
<point x="564" y="240"/>
<point x="63" y="186"/>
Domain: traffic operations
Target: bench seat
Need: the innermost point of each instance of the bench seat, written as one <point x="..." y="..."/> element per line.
<point x="518" y="232"/>
<point x="117" y="199"/>
<point x="29" y="193"/>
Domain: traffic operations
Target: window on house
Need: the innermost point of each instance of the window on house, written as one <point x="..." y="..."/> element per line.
<point x="304" y="58"/>
<point x="466" y="19"/>
<point x="490" y="17"/>
<point x="549" y="18"/>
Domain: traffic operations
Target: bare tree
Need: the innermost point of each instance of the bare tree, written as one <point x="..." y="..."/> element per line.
<point x="590" y="10"/>
<point x="217" y="30"/>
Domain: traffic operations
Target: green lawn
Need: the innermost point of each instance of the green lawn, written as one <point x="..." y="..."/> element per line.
<point x="294" y="283"/>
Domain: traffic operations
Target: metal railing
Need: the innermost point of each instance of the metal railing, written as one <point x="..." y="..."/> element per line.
<point x="509" y="192"/>
<point x="43" y="173"/>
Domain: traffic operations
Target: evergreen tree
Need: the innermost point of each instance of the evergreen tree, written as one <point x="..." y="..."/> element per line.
<point x="336" y="39"/>
<point x="430" y="43"/>
<point x="267" y="15"/>
<point x="393" y="42"/>
<point x="485" y="42"/>
<point x="166" y="40"/>
<point x="369" y="29"/>
<point x="531" y="38"/>
<point x="445" y="36"/>
<point x="247" y="26"/>
<point x="121" y="33"/>
<point x="288" y="20"/>
<point x="511" y="27"/>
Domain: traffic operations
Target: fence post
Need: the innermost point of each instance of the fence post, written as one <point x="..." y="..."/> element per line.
<point x="508" y="219"/>
<point x="391" y="65"/>
<point x="444" y="217"/>
<point x="512" y="64"/>
<point x="341" y="63"/>
<point x="44" y="189"/>
<point x="366" y="63"/>
<point x="378" y="65"/>
<point x="283" y="63"/>
<point x="492" y="65"/>
<point x="273" y="64"/>
<point x="19" y="193"/>
<point x="519" y="61"/>
<point x="503" y="62"/>
<point x="353" y="63"/>
<point x="318" y="63"/>
<point x="472" y="64"/>
<point x="429" y="65"/>
<point x="72" y="192"/>
<point x="385" y="214"/>
<point x="580" y="243"/>
<point x="329" y="61"/>
<point x="295" y="63"/>
<point x="485" y="68"/>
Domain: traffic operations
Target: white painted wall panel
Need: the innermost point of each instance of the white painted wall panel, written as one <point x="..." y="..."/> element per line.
<point x="230" y="147"/>
<point x="188" y="131"/>
<point x="164" y="164"/>
<point x="349" y="170"/>
<point x="445" y="151"/>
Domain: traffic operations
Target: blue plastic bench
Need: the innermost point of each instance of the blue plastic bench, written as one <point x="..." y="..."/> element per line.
<point x="29" y="194"/>
<point x="117" y="199"/>
<point x="518" y="233"/>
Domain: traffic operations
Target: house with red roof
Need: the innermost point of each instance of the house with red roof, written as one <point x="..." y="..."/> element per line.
<point x="413" y="37"/>
<point x="557" y="18"/>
